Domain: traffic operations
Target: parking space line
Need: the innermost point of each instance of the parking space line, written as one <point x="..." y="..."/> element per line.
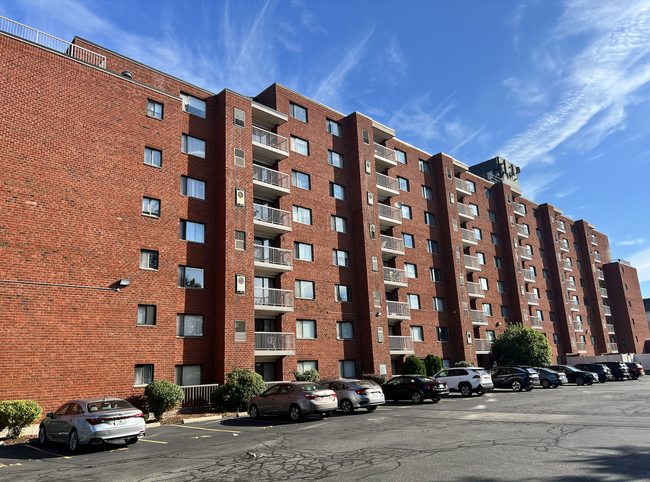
<point x="201" y="428"/>
<point x="407" y="406"/>
<point x="153" y="441"/>
<point x="46" y="452"/>
<point x="384" y="409"/>
<point x="9" y="465"/>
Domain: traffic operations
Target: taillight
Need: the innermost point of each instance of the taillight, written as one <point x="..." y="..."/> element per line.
<point x="432" y="385"/>
<point x="476" y="376"/>
<point x="310" y="397"/>
<point x="362" y="391"/>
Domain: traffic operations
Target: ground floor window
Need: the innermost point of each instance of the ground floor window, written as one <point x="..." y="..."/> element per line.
<point x="266" y="370"/>
<point x="347" y="369"/>
<point x="143" y="375"/>
<point x="189" y="375"/>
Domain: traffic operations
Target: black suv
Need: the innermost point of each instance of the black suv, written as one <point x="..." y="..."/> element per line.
<point x="579" y="377"/>
<point x="515" y="377"/>
<point x="619" y="369"/>
<point x="415" y="388"/>
<point x="603" y="372"/>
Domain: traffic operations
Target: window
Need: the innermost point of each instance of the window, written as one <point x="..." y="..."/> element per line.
<point x="414" y="301"/>
<point x="301" y="215"/>
<point x="298" y="112"/>
<point x="505" y="312"/>
<point x="488" y="193"/>
<point x="432" y="246"/>
<point x="481" y="258"/>
<point x="411" y="270"/>
<point x="556" y="339"/>
<point x="148" y="259"/>
<point x="188" y="375"/>
<point x="154" y="109"/>
<point x="406" y="212"/>
<point x="582" y="283"/>
<point x="589" y="320"/>
<point x="337" y="191"/>
<point x="339" y="224"/>
<point x="192" y="187"/>
<point x="429" y="218"/>
<point x="492" y="216"/>
<point x="304" y="366"/>
<point x="586" y="301"/>
<point x="342" y="293"/>
<point x="305" y="289"/>
<point x="540" y="315"/>
<point x="335" y="159"/>
<point x="340" y="257"/>
<point x="190" y="231"/>
<point x="549" y="295"/>
<point x="472" y="186"/>
<point x="442" y="333"/>
<point x="152" y="157"/>
<point x="551" y="316"/>
<point x="539" y="233"/>
<point x="401" y="156"/>
<point x="146" y="315"/>
<point x="193" y="146"/>
<point x="545" y="274"/>
<point x="299" y="145"/>
<point x="535" y="213"/>
<point x="542" y="253"/>
<point x="501" y="286"/>
<point x="427" y="193"/>
<point x="240" y="240"/>
<point x="576" y="247"/>
<point x="409" y="241"/>
<point x="240" y="330"/>
<point x="579" y="265"/>
<point x="623" y="342"/>
<point x="303" y="251"/>
<point x="424" y="166"/>
<point x="593" y="340"/>
<point x="239" y="117"/>
<point x="334" y="128"/>
<point x="484" y="283"/>
<point x="478" y="233"/>
<point x="190" y="277"/>
<point x="438" y="304"/>
<point x="151" y="207"/>
<point x="487" y="309"/>
<point x="306" y="329"/>
<point x="498" y="263"/>
<point x="301" y="180"/>
<point x="345" y="330"/>
<point x="347" y="369"/>
<point x="417" y="334"/>
<point x="436" y="275"/>
<point x="403" y="183"/>
<point x="143" y="375"/>
<point x="193" y="105"/>
<point x="189" y="325"/>
<point x="495" y="238"/>
<point x="474" y="209"/>
<point x="366" y="136"/>
<point x="533" y="270"/>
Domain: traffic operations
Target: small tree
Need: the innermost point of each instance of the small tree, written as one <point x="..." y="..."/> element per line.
<point x="520" y="345"/>
<point x="16" y="415"/>
<point x="378" y="379"/>
<point x="163" y="396"/>
<point x="433" y="364"/>
<point x="307" y="376"/>
<point x="413" y="366"/>
<point x="242" y="384"/>
<point x="463" y="364"/>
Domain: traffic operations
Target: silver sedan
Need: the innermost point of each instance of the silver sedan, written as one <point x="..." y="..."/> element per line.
<point x="91" y="422"/>
<point x="295" y="399"/>
<point x="352" y="393"/>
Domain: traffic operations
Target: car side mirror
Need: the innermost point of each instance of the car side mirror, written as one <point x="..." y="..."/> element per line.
<point x="49" y="414"/>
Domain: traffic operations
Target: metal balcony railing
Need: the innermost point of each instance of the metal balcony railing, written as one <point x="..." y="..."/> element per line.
<point x="529" y="275"/>
<point x="519" y="208"/>
<point x="613" y="347"/>
<point x="561" y="227"/>
<point x="607" y="310"/>
<point x="269" y="255"/>
<point x="535" y="322"/>
<point x="198" y="395"/>
<point x="273" y="297"/>
<point x="472" y="262"/>
<point x="270" y="139"/>
<point x="532" y="298"/>
<point x="389" y="212"/>
<point x="275" y="341"/>
<point x="36" y="36"/>
<point x="475" y="289"/>
<point x="483" y="345"/>
<point x="385" y="152"/>
<point x="570" y="285"/>
<point x="566" y="263"/>
<point x="463" y="186"/>
<point x="526" y="252"/>
<point x="564" y="245"/>
<point x="610" y="329"/>
<point x="522" y="230"/>
<point x="387" y="182"/>
<point x="394" y="244"/>
<point x="577" y="325"/>
<point x="465" y="210"/>
<point x="603" y="292"/>
<point x="468" y="235"/>
<point x="582" y="347"/>
<point x="397" y="308"/>
<point x="393" y="275"/>
<point x="401" y="344"/>
<point x="594" y="241"/>
<point x="479" y="317"/>
<point x="271" y="215"/>
<point x="574" y="305"/>
<point x="269" y="176"/>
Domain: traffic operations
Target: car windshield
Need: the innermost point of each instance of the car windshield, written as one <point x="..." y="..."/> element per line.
<point x="426" y="379"/>
<point x="312" y="387"/>
<point x="572" y="369"/>
<point x="108" y="405"/>
<point x="531" y="370"/>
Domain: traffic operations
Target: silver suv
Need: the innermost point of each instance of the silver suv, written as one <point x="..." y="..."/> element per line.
<point x="467" y="380"/>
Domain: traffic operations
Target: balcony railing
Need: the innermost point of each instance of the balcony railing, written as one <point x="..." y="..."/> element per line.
<point x="610" y="329"/>
<point x="522" y="230"/>
<point x="273" y="297"/>
<point x="398" y="309"/>
<point x="392" y="244"/>
<point x="564" y="245"/>
<point x="465" y="211"/>
<point x="594" y="241"/>
<point x="483" y="346"/>
<point x="36" y="36"/>
<point x="601" y="274"/>
<point x="582" y="347"/>
<point x="468" y="236"/>
<point x="198" y="395"/>
<point x="463" y="186"/>
<point x="577" y="325"/>
<point x="570" y="285"/>
<point x="267" y="214"/>
<point x="389" y="212"/>
<point x="519" y="209"/>
<point x="472" y="263"/>
<point x="613" y="347"/>
<point x="536" y="322"/>
<point x="271" y="177"/>
<point x="387" y="182"/>
<point x="392" y="275"/>
<point x="274" y="341"/>
<point x="597" y="257"/>
<point x="475" y="290"/>
<point x="270" y="255"/>
<point x="529" y="276"/>
<point x="607" y="310"/>
<point x="566" y="263"/>
<point x="532" y="298"/>
<point x="603" y="292"/>
<point x="401" y="344"/>
<point x="479" y="317"/>
<point x="526" y="252"/>
<point x="385" y="152"/>
<point x="270" y="139"/>
<point x="561" y="227"/>
<point x="574" y="305"/>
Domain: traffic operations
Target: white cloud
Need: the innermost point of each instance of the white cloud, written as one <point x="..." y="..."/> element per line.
<point x="641" y="261"/>
<point x="532" y="186"/>
<point x="418" y="119"/>
<point x="562" y="194"/>
<point x="467" y="139"/>
<point x="526" y="92"/>
<point x="631" y="242"/>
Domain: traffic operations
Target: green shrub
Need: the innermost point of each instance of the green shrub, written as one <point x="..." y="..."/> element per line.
<point x="463" y="364"/>
<point x="16" y="415"/>
<point x="242" y="384"/>
<point x="378" y="379"/>
<point x="162" y="396"/>
<point x="433" y="364"/>
<point x="413" y="366"/>
<point x="521" y="345"/>
<point x="308" y="376"/>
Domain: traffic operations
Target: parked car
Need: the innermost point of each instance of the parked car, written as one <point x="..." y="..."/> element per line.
<point x="515" y="377"/>
<point x="603" y="372"/>
<point x="618" y="368"/>
<point x="92" y="421"/>
<point x="295" y="399"/>
<point x="573" y="375"/>
<point x="352" y="393"/>
<point x="636" y="370"/>
<point x="551" y="378"/>
<point x="414" y="387"/>
<point x="466" y="380"/>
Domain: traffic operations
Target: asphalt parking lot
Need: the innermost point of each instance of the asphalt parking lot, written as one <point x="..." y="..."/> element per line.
<point x="591" y="433"/>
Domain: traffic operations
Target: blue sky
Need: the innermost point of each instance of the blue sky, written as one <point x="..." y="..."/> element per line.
<point x="558" y="88"/>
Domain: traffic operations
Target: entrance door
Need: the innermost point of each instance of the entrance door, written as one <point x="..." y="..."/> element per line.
<point x="266" y="370"/>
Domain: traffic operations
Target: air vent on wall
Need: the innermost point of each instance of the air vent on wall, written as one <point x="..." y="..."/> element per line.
<point x="240" y="197"/>
<point x="370" y="199"/>
<point x="240" y="287"/>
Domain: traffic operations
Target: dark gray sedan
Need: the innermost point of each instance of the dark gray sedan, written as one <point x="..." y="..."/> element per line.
<point x="352" y="393"/>
<point x="295" y="399"/>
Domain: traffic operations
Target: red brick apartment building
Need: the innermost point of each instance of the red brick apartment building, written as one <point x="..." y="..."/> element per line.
<point x="151" y="229"/>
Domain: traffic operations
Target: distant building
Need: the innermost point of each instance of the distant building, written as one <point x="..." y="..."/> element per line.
<point x="646" y="304"/>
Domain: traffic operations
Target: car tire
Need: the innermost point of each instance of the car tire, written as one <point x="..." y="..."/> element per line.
<point x="515" y="385"/>
<point x="73" y="441"/>
<point x="254" y="412"/>
<point x="42" y="436"/>
<point x="580" y="381"/>
<point x="347" y="407"/>
<point x="555" y="385"/>
<point x="294" y="413"/>
<point x="546" y="384"/>
<point x="436" y="400"/>
<point x="529" y="388"/>
<point x="465" y="390"/>
<point x="590" y="382"/>
<point x="131" y="441"/>
<point x="481" y="393"/>
<point x="417" y="398"/>
<point x="371" y="409"/>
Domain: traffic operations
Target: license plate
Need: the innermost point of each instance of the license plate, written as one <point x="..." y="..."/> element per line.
<point x="120" y="422"/>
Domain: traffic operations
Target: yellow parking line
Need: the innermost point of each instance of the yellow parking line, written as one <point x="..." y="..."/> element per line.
<point x="46" y="452"/>
<point x="201" y="428"/>
<point x="407" y="406"/>
<point x="153" y="441"/>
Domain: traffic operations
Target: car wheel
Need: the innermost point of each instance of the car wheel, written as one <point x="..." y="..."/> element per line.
<point x="466" y="390"/>
<point x="131" y="441"/>
<point x="254" y="412"/>
<point x="546" y="383"/>
<point x="590" y="382"/>
<point x="554" y="386"/>
<point x="417" y="397"/>
<point x="42" y="437"/>
<point x="580" y="381"/>
<point x="73" y="441"/>
<point x="294" y="413"/>
<point x="347" y="407"/>
<point x="516" y="386"/>
<point x="371" y="409"/>
<point x="436" y="400"/>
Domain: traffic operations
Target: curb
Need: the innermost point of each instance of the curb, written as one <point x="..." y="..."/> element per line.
<point x="201" y="419"/>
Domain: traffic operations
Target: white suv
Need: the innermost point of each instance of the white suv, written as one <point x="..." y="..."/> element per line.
<point x="467" y="380"/>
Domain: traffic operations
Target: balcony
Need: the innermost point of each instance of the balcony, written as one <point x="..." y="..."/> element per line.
<point x="582" y="347"/>
<point x="529" y="276"/>
<point x="536" y="322"/>
<point x="607" y="310"/>
<point x="610" y="329"/>
<point x="465" y="212"/>
<point x="479" y="318"/>
<point x="271" y="301"/>
<point x="271" y="261"/>
<point x="400" y="345"/>
<point x="594" y="241"/>
<point x="564" y="245"/>
<point x="575" y="306"/>
<point x="472" y="263"/>
<point x="469" y="237"/>
<point x="526" y="253"/>
<point x="386" y="187"/>
<point x="613" y="347"/>
<point x="577" y="325"/>
<point x="520" y="209"/>
<point x="483" y="346"/>
<point x="395" y="278"/>
<point x="601" y="275"/>
<point x="463" y="188"/>
<point x="270" y="184"/>
<point x="396" y="310"/>
<point x="389" y="216"/>
<point x="269" y="146"/>
<point x="597" y="257"/>
<point x="475" y="290"/>
<point x="532" y="299"/>
<point x="570" y="285"/>
<point x="384" y="157"/>
<point x="603" y="292"/>
<point x="522" y="231"/>
<point x="274" y="344"/>
<point x="266" y="116"/>
<point x="391" y="247"/>
<point x="566" y="264"/>
<point x="270" y="221"/>
<point x="561" y="227"/>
